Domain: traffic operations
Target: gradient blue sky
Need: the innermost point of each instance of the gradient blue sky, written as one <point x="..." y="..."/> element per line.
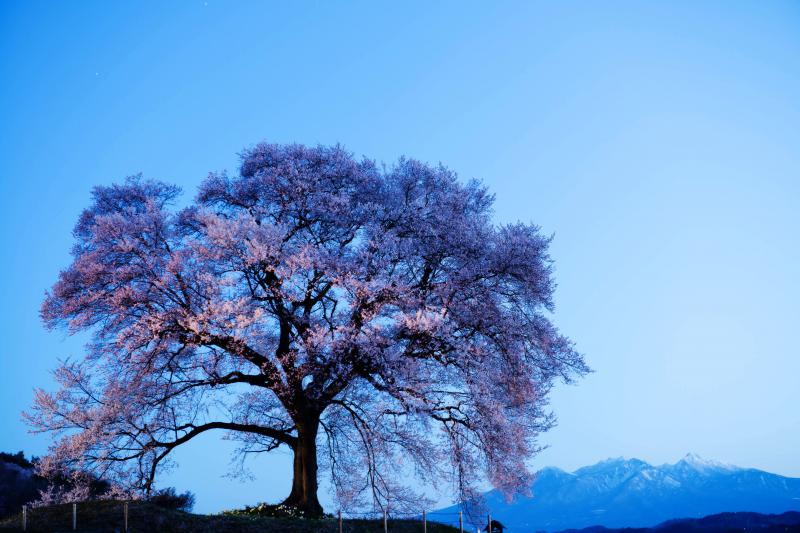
<point x="659" y="142"/>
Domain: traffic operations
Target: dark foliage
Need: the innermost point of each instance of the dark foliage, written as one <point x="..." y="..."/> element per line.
<point x="17" y="459"/>
<point x="169" y="499"/>
<point x="18" y="484"/>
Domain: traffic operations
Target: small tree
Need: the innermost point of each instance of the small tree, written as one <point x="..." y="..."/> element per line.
<point x="312" y="300"/>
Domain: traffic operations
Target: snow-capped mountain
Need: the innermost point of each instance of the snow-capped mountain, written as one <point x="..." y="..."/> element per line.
<point x="630" y="492"/>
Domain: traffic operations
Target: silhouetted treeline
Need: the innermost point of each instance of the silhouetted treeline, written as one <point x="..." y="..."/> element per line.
<point x="19" y="484"/>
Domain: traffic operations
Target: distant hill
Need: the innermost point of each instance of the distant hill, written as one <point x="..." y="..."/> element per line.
<point x="718" y="523"/>
<point x="621" y="492"/>
<point x="18" y="485"/>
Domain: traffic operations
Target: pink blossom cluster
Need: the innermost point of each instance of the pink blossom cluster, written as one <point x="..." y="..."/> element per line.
<point x="316" y="302"/>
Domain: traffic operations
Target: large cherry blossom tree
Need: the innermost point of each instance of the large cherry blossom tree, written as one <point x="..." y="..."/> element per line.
<point x="361" y="317"/>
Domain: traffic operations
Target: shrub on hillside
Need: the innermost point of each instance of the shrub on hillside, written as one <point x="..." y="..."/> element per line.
<point x="169" y="499"/>
<point x="270" y="511"/>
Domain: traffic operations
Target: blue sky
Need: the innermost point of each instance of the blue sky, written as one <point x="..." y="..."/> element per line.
<point x="658" y="142"/>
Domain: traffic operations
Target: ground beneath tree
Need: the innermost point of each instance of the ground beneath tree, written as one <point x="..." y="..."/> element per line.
<point x="107" y="517"/>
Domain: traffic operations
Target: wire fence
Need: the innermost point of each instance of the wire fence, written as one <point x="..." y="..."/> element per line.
<point x="34" y="518"/>
<point x="116" y="515"/>
<point x="422" y="519"/>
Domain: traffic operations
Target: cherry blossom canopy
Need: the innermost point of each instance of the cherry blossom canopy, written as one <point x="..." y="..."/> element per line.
<point x="313" y="302"/>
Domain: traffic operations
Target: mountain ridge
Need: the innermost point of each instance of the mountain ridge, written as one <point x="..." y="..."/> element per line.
<point x="717" y="523"/>
<point x="621" y="492"/>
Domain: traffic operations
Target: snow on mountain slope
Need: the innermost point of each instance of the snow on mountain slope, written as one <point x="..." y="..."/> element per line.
<point x="630" y="492"/>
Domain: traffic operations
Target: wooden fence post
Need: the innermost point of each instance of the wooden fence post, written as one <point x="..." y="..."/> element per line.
<point x="424" y="522"/>
<point x="24" y="518"/>
<point x="385" y="522"/>
<point x="489" y="524"/>
<point x="125" y="512"/>
<point x="461" y="521"/>
<point x="340" y="521"/>
<point x="74" y="516"/>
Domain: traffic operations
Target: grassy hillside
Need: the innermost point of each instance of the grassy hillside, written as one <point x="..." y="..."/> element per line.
<point x="107" y="516"/>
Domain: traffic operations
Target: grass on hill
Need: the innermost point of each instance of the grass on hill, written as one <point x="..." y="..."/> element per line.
<point x="107" y="517"/>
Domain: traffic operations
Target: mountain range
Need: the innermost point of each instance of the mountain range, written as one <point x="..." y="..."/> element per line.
<point x="717" y="523"/>
<point x="622" y="492"/>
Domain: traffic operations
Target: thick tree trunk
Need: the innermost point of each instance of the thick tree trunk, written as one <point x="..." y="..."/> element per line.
<point x="304" y="484"/>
